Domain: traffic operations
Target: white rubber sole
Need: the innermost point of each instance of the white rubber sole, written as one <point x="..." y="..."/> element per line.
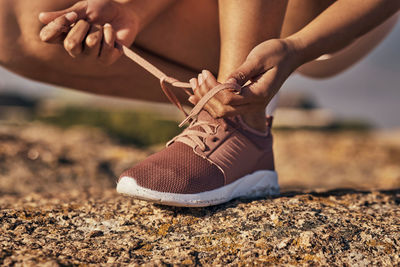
<point x="255" y="185"/>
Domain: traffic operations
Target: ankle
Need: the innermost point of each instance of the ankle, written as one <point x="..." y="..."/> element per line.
<point x="256" y="120"/>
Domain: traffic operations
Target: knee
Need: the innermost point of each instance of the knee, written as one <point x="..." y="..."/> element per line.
<point x="8" y="34"/>
<point x="12" y="44"/>
<point x="21" y="50"/>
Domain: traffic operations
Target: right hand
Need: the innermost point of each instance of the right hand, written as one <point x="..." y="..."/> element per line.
<point x="261" y="76"/>
<point x="91" y="28"/>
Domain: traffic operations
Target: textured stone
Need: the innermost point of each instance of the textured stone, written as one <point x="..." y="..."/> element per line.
<point x="57" y="207"/>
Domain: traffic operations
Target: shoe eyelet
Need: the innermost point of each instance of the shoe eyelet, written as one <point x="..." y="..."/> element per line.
<point x="198" y="149"/>
<point x="216" y="129"/>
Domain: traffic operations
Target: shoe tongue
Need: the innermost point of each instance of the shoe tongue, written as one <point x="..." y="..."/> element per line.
<point x="205" y="116"/>
<point x="235" y="122"/>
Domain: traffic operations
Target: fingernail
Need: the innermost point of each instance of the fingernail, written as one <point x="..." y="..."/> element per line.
<point x="107" y="25"/>
<point x="43" y="36"/>
<point x="205" y="74"/>
<point x="71" y="16"/>
<point x="193" y="83"/>
<point x="200" y="79"/>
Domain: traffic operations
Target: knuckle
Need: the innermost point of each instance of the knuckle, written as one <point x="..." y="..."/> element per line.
<point x="239" y="76"/>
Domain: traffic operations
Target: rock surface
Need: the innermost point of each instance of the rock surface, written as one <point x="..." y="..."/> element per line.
<point x="59" y="206"/>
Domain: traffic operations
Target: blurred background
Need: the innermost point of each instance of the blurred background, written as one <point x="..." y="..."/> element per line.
<point x="369" y="91"/>
<point x="348" y="125"/>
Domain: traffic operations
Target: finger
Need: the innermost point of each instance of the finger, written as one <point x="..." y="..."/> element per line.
<point x="194" y="84"/>
<point x="216" y="108"/>
<point x="260" y="90"/>
<point x="219" y="101"/>
<point x="199" y="93"/>
<point x="196" y="89"/>
<point x="93" y="41"/>
<point x="265" y="87"/>
<point x="247" y="71"/>
<point x="57" y="27"/>
<point x="209" y="79"/>
<point x="109" y="51"/>
<point x="213" y="106"/>
<point x="227" y="96"/>
<point x="79" y="9"/>
<point x="73" y="43"/>
<point x="259" y="93"/>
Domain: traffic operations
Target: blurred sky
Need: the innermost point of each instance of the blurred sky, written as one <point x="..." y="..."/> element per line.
<point x="369" y="90"/>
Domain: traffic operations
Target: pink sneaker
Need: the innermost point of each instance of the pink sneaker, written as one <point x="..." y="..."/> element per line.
<point x="211" y="162"/>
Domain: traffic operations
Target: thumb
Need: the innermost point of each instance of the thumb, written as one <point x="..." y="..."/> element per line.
<point x="247" y="71"/>
<point x="79" y="9"/>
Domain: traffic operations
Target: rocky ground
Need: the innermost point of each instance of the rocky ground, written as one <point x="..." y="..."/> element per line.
<point x="58" y="206"/>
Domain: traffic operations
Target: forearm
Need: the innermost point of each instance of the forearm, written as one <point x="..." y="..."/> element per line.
<point x="339" y="25"/>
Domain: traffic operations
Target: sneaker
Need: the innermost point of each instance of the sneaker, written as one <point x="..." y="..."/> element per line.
<point x="211" y="162"/>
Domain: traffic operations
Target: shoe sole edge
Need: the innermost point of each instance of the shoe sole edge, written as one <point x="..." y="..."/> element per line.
<point x="258" y="184"/>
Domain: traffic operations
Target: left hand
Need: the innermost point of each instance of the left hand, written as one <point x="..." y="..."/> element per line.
<point x="266" y="68"/>
<point x="91" y="29"/>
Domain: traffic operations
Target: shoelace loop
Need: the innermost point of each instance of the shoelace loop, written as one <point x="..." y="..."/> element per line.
<point x="189" y="136"/>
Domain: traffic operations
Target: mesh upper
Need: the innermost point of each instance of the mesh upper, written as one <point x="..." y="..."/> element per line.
<point x="177" y="169"/>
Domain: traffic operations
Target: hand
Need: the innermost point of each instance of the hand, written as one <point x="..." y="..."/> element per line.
<point x="266" y="68"/>
<point x="91" y="28"/>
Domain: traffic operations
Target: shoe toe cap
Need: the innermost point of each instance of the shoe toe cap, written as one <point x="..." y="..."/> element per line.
<point x="184" y="173"/>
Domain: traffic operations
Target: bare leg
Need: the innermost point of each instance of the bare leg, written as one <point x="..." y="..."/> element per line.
<point x="171" y="33"/>
<point x="243" y="26"/>
<point x="174" y="41"/>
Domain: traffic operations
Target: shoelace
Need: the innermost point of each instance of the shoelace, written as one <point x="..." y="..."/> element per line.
<point x="193" y="137"/>
<point x="190" y="136"/>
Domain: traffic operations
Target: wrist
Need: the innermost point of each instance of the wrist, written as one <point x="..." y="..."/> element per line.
<point x="298" y="50"/>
